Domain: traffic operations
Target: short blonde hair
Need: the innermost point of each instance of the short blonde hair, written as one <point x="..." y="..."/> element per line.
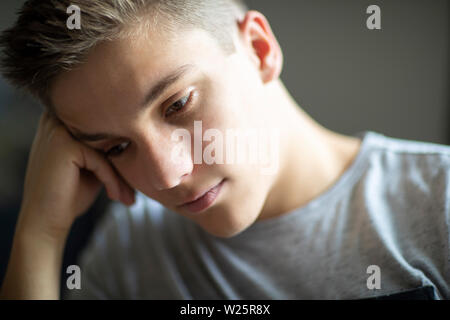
<point x="40" y="45"/>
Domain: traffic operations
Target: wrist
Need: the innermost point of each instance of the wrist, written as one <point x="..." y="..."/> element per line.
<point x="35" y="264"/>
<point x="32" y="224"/>
<point x="34" y="235"/>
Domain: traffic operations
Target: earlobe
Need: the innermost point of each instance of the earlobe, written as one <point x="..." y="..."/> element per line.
<point x="262" y="45"/>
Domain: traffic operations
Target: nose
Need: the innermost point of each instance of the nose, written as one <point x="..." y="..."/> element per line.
<point x="158" y="164"/>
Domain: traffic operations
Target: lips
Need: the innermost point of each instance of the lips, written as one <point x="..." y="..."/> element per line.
<point x="204" y="201"/>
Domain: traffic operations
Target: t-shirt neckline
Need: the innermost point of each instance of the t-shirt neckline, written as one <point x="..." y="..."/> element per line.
<point x="345" y="181"/>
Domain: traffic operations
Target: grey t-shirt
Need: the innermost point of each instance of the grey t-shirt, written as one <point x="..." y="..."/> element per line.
<point x="382" y="228"/>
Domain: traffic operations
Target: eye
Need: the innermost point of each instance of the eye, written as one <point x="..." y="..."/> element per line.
<point x="177" y="106"/>
<point x="117" y="150"/>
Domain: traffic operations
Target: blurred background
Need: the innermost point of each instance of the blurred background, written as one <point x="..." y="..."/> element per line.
<point x="350" y="79"/>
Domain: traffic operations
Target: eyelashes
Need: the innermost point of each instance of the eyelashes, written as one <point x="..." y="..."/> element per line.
<point x="178" y="105"/>
<point x="175" y="108"/>
<point x="117" y="150"/>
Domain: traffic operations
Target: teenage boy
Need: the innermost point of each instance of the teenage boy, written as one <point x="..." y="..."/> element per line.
<point x="338" y="216"/>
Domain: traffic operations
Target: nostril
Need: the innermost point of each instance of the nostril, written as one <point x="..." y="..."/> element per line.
<point x="184" y="175"/>
<point x="167" y="185"/>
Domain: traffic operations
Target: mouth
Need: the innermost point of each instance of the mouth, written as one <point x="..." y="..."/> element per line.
<point x="204" y="201"/>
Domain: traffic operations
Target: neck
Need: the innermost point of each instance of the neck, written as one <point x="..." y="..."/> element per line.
<point x="312" y="158"/>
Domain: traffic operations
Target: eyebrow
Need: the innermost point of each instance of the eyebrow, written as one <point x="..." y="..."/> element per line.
<point x="81" y="136"/>
<point x="154" y="93"/>
<point x="165" y="83"/>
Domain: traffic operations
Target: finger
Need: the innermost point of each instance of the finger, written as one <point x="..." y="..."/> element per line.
<point x="127" y="193"/>
<point x="93" y="161"/>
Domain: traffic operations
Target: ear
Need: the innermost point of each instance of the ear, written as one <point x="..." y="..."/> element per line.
<point x="262" y="45"/>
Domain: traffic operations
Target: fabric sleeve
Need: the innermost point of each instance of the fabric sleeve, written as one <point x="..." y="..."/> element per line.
<point x="98" y="263"/>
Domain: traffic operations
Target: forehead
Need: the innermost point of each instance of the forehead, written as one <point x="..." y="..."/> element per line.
<point x="120" y="72"/>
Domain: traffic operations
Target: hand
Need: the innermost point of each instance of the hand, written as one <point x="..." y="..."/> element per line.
<point x="64" y="178"/>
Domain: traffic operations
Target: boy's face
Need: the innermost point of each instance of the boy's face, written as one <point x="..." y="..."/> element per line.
<point x="107" y="95"/>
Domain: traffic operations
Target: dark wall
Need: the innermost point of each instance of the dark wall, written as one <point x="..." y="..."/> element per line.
<point x="394" y="80"/>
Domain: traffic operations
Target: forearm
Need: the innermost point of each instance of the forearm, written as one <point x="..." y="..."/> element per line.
<point x="62" y="181"/>
<point x="34" y="267"/>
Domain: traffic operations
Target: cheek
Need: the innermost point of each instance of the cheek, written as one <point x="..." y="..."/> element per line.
<point x="138" y="182"/>
<point x="129" y="174"/>
<point x="226" y="104"/>
<point x="133" y="175"/>
<point x="226" y="110"/>
<point x="217" y="110"/>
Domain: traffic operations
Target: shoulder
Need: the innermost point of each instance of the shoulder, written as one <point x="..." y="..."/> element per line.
<point x="403" y="163"/>
<point x="122" y="225"/>
<point x="406" y="188"/>
<point x="127" y="231"/>
<point x="125" y="251"/>
<point x="412" y="149"/>
<point x="406" y="184"/>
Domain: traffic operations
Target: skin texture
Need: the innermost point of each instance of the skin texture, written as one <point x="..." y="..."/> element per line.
<point x="241" y="90"/>
<point x="105" y="95"/>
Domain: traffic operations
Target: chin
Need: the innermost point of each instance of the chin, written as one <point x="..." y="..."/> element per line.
<point x="227" y="224"/>
<point x="224" y="233"/>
